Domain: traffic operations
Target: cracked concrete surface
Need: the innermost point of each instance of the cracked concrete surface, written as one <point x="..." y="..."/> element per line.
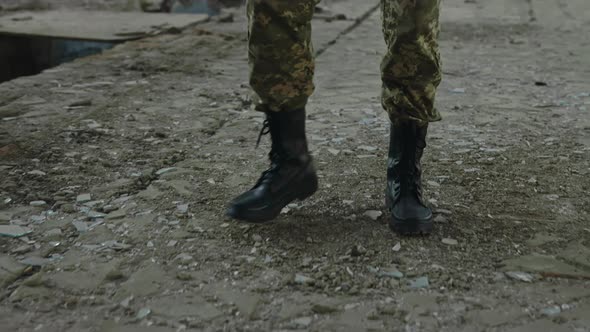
<point x="160" y="133"/>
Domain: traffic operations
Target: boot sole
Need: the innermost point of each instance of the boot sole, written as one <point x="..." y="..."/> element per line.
<point x="262" y="215"/>
<point x="409" y="226"/>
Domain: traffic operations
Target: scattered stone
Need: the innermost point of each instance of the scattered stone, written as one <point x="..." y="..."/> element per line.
<point x="5" y="216"/>
<point x="114" y="275"/>
<point x="301" y="323"/>
<point x="126" y="302"/>
<point x="81" y="226"/>
<point x="184" y="258"/>
<point x="10" y="270"/>
<point x="552" y="197"/>
<point x="83" y="198"/>
<point x="22" y="249"/>
<point x="390" y="273"/>
<point x="323" y="309"/>
<point x="115" y="215"/>
<point x="80" y="103"/>
<point x="397" y="247"/>
<point x="471" y="170"/>
<point x="334" y="151"/>
<point x="36" y="280"/>
<point x="115" y="245"/>
<point x="68" y="208"/>
<point x="551" y="311"/>
<point x="373" y="214"/>
<point x="54" y="243"/>
<point x="109" y="208"/>
<point x="433" y="184"/>
<point x="35" y="261"/>
<point x="38" y="219"/>
<point x="165" y="170"/>
<point x="53" y="233"/>
<point x="450" y="242"/>
<point x="95" y="215"/>
<point x="13" y="231"/>
<point x="440" y="219"/>
<point x="303" y="280"/>
<point x="143" y="313"/>
<point x="358" y="250"/>
<point x="367" y="148"/>
<point x="93" y="203"/>
<point x="38" y="203"/>
<point x="421" y="282"/>
<point x="182" y="208"/>
<point x="171" y="243"/>
<point x="257" y="238"/>
<point x="37" y="173"/>
<point x="520" y="276"/>
<point x="184" y="276"/>
<point x="150" y="244"/>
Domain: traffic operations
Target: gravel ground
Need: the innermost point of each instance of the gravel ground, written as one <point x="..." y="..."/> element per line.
<point x="118" y="168"/>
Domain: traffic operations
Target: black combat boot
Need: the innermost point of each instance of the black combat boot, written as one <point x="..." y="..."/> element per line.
<point x="291" y="174"/>
<point x="409" y="214"/>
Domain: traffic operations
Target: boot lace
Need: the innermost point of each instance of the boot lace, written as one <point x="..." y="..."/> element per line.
<point x="408" y="182"/>
<point x="275" y="156"/>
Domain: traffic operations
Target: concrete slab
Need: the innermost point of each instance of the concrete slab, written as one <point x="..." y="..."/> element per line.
<point x="94" y="26"/>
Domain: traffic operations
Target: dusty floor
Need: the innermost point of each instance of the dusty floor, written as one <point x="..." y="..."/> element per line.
<point x="160" y="134"/>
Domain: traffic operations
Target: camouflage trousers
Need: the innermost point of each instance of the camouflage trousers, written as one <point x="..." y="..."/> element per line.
<point x="281" y="56"/>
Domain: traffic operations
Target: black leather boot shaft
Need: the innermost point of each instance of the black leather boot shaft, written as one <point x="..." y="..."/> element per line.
<point x="291" y="174"/>
<point x="408" y="211"/>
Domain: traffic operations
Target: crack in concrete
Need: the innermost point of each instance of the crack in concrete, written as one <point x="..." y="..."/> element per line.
<point x="357" y="22"/>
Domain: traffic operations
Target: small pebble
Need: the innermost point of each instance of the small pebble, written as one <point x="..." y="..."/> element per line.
<point x="83" y="198"/>
<point x="421" y="282"/>
<point x="440" y="219"/>
<point x="373" y="214"/>
<point x="143" y="313"/>
<point x="450" y="242"/>
<point x="520" y="276"/>
<point x="551" y="311"/>
<point x="165" y="170"/>
<point x="303" y="280"/>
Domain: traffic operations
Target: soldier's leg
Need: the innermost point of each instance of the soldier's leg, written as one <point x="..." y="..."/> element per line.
<point x="411" y="69"/>
<point x="411" y="73"/>
<point x="281" y="73"/>
<point x="280" y="52"/>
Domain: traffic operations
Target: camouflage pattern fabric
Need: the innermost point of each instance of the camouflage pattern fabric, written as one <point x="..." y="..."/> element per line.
<point x="282" y="65"/>
<point x="280" y="52"/>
